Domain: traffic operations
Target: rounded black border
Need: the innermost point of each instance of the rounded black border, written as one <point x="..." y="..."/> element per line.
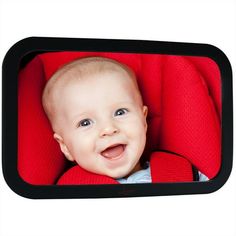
<point x="10" y="70"/>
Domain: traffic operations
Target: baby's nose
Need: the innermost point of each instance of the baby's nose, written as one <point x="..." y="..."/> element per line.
<point x="109" y="131"/>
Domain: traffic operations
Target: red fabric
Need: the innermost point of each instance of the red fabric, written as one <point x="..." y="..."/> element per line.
<point x="165" y="167"/>
<point x="182" y="94"/>
<point x="209" y="71"/>
<point x="40" y="160"/>
<point x="190" y="125"/>
<point x="77" y="175"/>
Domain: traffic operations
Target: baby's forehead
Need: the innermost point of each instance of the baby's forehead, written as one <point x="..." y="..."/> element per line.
<point x="89" y="71"/>
<point x="77" y="72"/>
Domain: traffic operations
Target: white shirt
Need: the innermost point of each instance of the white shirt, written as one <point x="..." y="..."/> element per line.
<point x="144" y="176"/>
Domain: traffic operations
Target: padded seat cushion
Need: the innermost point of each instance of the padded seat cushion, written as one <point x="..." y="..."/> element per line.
<point x="165" y="167"/>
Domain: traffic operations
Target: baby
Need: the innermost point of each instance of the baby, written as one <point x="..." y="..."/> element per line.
<point x="97" y="115"/>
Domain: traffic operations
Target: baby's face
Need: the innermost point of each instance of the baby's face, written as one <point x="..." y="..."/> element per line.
<point x="102" y="124"/>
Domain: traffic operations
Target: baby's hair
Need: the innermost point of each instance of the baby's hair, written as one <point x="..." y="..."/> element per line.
<point x="90" y="65"/>
<point x="77" y="70"/>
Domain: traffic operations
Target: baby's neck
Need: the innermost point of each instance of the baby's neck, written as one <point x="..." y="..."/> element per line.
<point x="136" y="168"/>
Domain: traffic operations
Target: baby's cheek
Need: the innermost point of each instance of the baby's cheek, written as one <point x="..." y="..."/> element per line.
<point x="137" y="126"/>
<point x="83" y="152"/>
<point x="81" y="143"/>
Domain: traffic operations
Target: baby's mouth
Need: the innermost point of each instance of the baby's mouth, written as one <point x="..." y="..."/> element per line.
<point x="113" y="151"/>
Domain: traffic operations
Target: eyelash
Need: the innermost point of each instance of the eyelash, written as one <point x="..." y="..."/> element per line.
<point x="83" y="122"/>
<point x="80" y="124"/>
<point x="124" y="110"/>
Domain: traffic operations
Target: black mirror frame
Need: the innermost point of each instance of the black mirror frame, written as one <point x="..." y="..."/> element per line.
<point x="10" y="70"/>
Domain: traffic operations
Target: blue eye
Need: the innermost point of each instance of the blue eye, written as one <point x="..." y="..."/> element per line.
<point x="84" y="123"/>
<point x="121" y="111"/>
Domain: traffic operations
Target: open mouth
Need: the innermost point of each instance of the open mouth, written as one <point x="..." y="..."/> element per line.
<point x="113" y="151"/>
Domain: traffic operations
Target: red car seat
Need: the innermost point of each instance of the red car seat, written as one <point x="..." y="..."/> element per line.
<point x="183" y="95"/>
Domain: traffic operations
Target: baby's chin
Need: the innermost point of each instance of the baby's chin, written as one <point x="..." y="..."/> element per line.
<point x="118" y="174"/>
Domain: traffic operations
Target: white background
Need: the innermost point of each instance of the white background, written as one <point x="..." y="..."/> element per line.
<point x="198" y="21"/>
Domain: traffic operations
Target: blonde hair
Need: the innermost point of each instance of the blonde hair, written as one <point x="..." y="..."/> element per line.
<point x="76" y="70"/>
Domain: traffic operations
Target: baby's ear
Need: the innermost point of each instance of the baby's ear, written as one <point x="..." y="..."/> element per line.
<point x="63" y="146"/>
<point x="145" y="111"/>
